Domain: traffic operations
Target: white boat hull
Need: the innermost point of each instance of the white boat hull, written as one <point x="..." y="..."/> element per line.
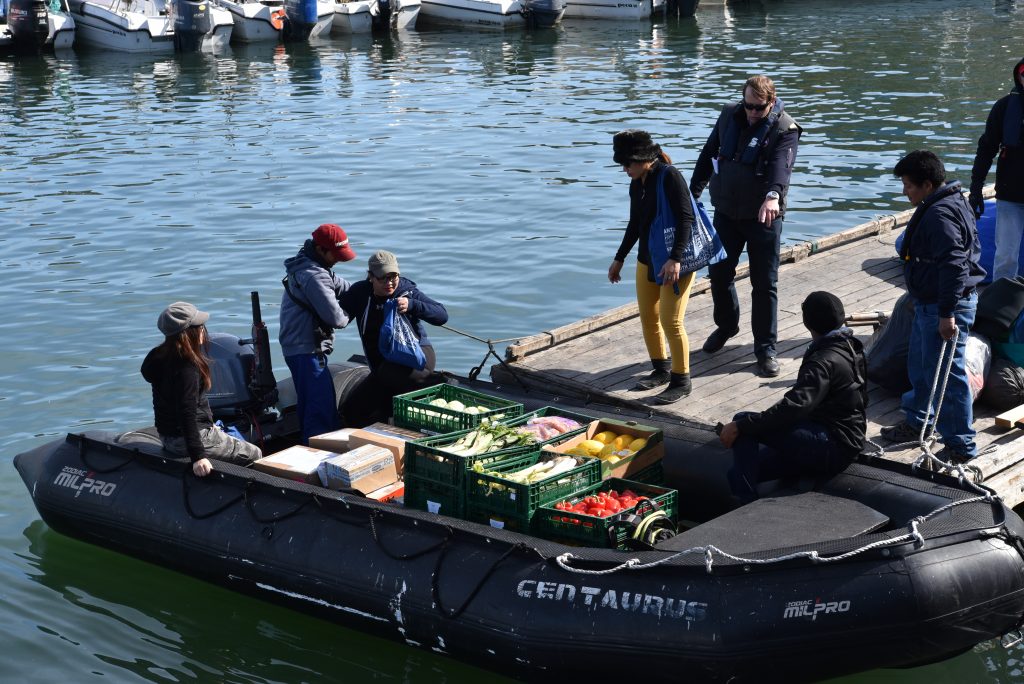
<point x="62" y="31"/>
<point x="404" y="17"/>
<point x="99" y="25"/>
<point x="223" y="27"/>
<point x="324" y="20"/>
<point x="608" y="9"/>
<point x="255" y="21"/>
<point x="352" y="17"/>
<point x="497" y="14"/>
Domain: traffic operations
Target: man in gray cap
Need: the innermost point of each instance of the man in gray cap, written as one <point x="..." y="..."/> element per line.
<point x="309" y="315"/>
<point x="818" y="427"/>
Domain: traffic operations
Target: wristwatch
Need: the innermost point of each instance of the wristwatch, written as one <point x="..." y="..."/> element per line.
<point x="772" y="195"/>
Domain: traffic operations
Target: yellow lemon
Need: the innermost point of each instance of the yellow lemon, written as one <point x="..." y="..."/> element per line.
<point x="578" y="450"/>
<point x="622" y="441"/>
<point x="592" y="447"/>
<point x="608" y="450"/>
<point x="637" y="444"/>
<point x="605" y="437"/>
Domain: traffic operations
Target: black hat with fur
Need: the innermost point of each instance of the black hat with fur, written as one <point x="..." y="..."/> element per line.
<point x="634" y="145"/>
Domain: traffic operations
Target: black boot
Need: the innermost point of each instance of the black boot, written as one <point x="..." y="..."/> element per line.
<point x="658" y="377"/>
<point x="678" y="387"/>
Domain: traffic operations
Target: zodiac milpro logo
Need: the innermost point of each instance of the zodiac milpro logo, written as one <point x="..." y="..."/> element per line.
<point x="83" y="481"/>
<point x="595" y="598"/>
<point x="811" y="609"/>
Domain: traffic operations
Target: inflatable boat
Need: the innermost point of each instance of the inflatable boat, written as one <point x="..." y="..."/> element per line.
<point x="880" y="566"/>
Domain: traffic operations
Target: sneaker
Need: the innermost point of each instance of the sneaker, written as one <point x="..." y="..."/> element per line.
<point x="901" y="432"/>
<point x="656" y="378"/>
<point x="768" y="367"/>
<point x="716" y="340"/>
<point x="954" y="455"/>
<point x="678" y="388"/>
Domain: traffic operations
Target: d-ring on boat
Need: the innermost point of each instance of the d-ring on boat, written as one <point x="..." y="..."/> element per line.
<point x="881" y="566"/>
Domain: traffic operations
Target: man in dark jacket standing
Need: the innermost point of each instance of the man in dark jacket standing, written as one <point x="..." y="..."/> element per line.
<point x="818" y="427"/>
<point x="941" y="254"/>
<point x="1004" y="135"/>
<point x="310" y="313"/>
<point x="748" y="159"/>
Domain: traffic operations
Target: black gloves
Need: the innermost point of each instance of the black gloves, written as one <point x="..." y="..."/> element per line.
<point x="977" y="202"/>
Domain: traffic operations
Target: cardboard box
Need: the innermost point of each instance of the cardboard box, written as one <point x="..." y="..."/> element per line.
<point x="649" y="455"/>
<point x="393" y="443"/>
<point x="297" y="463"/>
<point x="365" y="469"/>
<point x="392" y="492"/>
<point x="336" y="441"/>
<point x="394" y="431"/>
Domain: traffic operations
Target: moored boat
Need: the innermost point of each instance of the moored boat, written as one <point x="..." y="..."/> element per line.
<point x="124" y="25"/>
<point x="880" y="566"/>
<point x="395" y="14"/>
<point x="255" y="21"/>
<point x="608" y="9"/>
<point x="352" y="16"/>
<point x="200" y="25"/>
<point x="307" y="19"/>
<point x="31" y="26"/>
<point x="495" y="14"/>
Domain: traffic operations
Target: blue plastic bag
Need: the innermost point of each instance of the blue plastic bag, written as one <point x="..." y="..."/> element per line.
<point x="704" y="248"/>
<point x="398" y="342"/>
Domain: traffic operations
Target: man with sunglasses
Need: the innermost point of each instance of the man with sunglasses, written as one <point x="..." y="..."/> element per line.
<point x="1004" y="136"/>
<point x="748" y="159"/>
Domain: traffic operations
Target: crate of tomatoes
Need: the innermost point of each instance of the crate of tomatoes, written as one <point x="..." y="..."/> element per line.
<point x="586" y="518"/>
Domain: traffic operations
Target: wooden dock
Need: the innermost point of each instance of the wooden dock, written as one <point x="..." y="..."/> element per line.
<point x="600" y="358"/>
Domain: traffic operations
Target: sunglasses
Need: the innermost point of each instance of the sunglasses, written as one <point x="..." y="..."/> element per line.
<point x="386" y="277"/>
<point x="755" y="107"/>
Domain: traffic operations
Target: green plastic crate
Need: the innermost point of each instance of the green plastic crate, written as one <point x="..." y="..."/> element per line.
<point x="505" y="521"/>
<point x="413" y="409"/>
<point x="583" y="420"/>
<point x="434" y="498"/>
<point x="426" y="458"/>
<point x="500" y="498"/>
<point x="653" y="474"/>
<point x="587" y="530"/>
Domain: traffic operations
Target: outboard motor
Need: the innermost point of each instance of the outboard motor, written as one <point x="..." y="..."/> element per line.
<point x="380" y="14"/>
<point x="29" y="24"/>
<point x="300" y="18"/>
<point x="192" y="22"/>
<point x="543" y="13"/>
<point x="243" y="380"/>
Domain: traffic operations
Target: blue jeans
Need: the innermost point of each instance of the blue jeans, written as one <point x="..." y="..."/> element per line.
<point x="1009" y="227"/>
<point x="957" y="417"/>
<point x="762" y="243"/>
<point x="316" y="405"/>
<point x="806" y="448"/>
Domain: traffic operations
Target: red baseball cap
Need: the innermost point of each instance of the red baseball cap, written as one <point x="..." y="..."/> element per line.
<point x="332" y="238"/>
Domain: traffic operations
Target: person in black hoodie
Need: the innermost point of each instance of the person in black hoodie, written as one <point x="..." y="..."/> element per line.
<point x="371" y="400"/>
<point x="179" y="371"/>
<point x="818" y="427"/>
<point x="1004" y="135"/>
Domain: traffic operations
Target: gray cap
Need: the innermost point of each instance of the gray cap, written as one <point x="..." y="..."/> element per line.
<point x="179" y="316"/>
<point x="382" y="263"/>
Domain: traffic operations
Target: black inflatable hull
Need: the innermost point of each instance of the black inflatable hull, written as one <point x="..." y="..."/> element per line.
<point x="498" y="599"/>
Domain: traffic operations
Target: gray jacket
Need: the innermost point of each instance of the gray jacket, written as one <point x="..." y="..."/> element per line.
<point x="318" y="288"/>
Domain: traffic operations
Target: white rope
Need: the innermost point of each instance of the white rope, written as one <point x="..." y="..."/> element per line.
<point x="709" y="552"/>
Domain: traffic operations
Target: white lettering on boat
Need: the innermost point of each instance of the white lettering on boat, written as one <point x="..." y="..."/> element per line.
<point x="610" y="599"/>
<point x="82" y="481"/>
<point x="811" y="609"/>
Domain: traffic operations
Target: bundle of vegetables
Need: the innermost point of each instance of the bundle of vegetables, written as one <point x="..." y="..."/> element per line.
<point x="601" y="504"/>
<point x="548" y="427"/>
<point x="487" y="438"/>
<point x="456" y="405"/>
<point x="541" y="470"/>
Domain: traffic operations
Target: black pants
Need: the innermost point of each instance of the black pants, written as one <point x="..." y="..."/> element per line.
<point x="762" y="243"/>
<point x="372" y="400"/>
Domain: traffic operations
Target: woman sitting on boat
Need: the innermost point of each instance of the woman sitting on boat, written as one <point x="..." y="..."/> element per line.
<point x="365" y="302"/>
<point x="179" y="371"/>
<point x="662" y="291"/>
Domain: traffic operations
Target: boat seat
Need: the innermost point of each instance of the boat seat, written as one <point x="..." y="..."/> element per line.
<point x="782" y="521"/>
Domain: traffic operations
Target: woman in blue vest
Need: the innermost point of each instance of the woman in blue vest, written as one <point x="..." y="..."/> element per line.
<point x="662" y="291"/>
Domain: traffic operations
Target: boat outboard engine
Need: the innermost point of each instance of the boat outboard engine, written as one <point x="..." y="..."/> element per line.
<point x="543" y="13"/>
<point x="192" y="22"/>
<point x="29" y="24"/>
<point x="299" y="18"/>
<point x="381" y="15"/>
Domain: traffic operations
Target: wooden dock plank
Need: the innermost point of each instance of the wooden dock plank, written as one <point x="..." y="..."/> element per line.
<point x="601" y="357"/>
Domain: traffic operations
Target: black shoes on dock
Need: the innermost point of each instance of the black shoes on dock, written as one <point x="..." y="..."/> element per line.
<point x="661" y="375"/>
<point x="717" y="339"/>
<point x="768" y="367"/>
<point x="678" y="387"/>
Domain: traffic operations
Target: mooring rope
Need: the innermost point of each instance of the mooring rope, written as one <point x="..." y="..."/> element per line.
<point x="475" y="371"/>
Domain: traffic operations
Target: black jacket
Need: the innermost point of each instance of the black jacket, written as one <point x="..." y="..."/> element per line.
<point x="941" y="251"/>
<point x="643" y="207"/>
<point x="1010" y="166"/>
<point x="831" y="390"/>
<point x="361" y="305"/>
<point x="180" y="406"/>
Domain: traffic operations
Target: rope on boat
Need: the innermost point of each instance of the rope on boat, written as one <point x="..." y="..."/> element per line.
<point x="475" y="371"/>
<point x="709" y="552"/>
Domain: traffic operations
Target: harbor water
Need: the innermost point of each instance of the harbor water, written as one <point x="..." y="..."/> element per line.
<point x="483" y="160"/>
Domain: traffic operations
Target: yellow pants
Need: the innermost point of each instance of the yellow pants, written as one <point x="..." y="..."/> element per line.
<point x="661" y="315"/>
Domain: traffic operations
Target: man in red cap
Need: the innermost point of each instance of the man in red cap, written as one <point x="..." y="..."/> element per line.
<point x="1004" y="136"/>
<point x="309" y="315"/>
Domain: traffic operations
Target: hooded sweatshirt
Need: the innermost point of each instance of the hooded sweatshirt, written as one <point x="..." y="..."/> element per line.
<point x="315" y="285"/>
<point x="1004" y="135"/>
<point x="180" y="404"/>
